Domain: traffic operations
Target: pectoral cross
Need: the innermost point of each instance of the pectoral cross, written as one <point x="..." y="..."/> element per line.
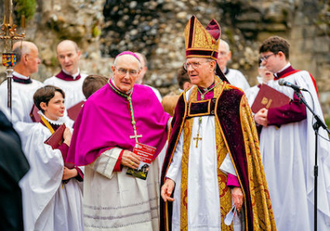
<point x="197" y="138"/>
<point x="135" y="136"/>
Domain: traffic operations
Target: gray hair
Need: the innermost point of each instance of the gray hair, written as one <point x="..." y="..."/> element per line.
<point x="116" y="59"/>
<point x="21" y="50"/>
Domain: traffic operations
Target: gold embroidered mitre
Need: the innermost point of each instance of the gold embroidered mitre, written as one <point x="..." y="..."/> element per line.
<point x="202" y="42"/>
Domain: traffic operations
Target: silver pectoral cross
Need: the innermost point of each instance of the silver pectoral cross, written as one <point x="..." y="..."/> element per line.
<point x="135" y="136"/>
<point x="197" y="138"/>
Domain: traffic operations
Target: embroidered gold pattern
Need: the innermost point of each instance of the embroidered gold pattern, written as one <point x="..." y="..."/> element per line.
<point x="262" y="211"/>
<point x="184" y="175"/>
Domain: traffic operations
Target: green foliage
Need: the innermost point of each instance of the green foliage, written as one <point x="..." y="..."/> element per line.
<point x="26" y="8"/>
<point x="96" y="31"/>
<point x="327" y="121"/>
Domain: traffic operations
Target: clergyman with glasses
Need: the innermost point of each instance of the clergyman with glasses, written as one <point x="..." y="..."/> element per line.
<point x="212" y="165"/>
<point x="287" y="145"/>
<point x="120" y="117"/>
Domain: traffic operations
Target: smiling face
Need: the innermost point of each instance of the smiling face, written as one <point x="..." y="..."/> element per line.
<point x="68" y="55"/>
<point x="55" y="107"/>
<point x="201" y="71"/>
<point x="125" y="81"/>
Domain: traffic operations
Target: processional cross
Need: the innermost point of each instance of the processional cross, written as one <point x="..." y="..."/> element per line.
<point x="8" y="34"/>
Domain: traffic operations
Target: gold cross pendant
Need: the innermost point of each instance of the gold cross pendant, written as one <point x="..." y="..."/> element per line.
<point x="197" y="138"/>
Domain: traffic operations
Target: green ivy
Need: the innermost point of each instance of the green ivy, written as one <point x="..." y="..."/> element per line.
<point x="327" y="121"/>
<point x="26" y="8"/>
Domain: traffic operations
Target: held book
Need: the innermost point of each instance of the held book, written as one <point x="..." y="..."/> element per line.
<point x="73" y="111"/>
<point x="34" y="114"/>
<point x="146" y="153"/>
<point x="56" y="139"/>
<point x="268" y="97"/>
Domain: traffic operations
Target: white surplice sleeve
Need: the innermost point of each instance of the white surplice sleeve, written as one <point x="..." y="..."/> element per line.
<point x="106" y="162"/>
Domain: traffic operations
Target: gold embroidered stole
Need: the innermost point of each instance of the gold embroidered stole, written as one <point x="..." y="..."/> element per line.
<point x="224" y="191"/>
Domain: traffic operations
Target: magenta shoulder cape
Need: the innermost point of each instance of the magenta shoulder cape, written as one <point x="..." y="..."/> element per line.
<point x="105" y="122"/>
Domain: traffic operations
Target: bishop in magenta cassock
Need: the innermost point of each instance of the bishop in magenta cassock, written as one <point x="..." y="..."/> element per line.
<point x="109" y="125"/>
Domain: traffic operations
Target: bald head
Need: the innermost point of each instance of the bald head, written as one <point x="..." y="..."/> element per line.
<point x="68" y="54"/>
<point x="144" y="67"/>
<point x="22" y="48"/>
<point x="224" y="54"/>
<point x="27" y="58"/>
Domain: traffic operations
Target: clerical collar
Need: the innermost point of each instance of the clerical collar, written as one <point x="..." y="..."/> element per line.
<point x="19" y="78"/>
<point x="67" y="77"/>
<point x="286" y="69"/>
<point x="226" y="71"/>
<point x="206" y="89"/>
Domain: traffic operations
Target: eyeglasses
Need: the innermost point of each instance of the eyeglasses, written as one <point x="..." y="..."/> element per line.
<point x="265" y="57"/>
<point x="193" y="65"/>
<point x="222" y="53"/>
<point x="131" y="72"/>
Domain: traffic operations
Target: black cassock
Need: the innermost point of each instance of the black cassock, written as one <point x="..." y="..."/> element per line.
<point x="13" y="166"/>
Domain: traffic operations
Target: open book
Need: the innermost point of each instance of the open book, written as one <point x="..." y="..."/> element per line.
<point x="146" y="154"/>
<point x="268" y="97"/>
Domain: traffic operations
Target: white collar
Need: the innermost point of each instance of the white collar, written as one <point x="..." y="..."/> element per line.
<point x="74" y="75"/>
<point x="18" y="75"/>
<point x="60" y="120"/>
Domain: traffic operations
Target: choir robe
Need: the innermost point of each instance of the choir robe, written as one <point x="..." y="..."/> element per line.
<point x="288" y="154"/>
<point x="236" y="78"/>
<point x="23" y="89"/>
<point x="114" y="200"/>
<point x="72" y="87"/>
<point x="48" y="204"/>
<point x="229" y="144"/>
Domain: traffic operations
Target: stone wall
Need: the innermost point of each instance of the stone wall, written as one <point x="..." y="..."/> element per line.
<point x="103" y="28"/>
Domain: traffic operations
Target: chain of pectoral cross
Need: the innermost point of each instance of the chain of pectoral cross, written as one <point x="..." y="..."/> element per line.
<point x="197" y="138"/>
<point x="129" y="98"/>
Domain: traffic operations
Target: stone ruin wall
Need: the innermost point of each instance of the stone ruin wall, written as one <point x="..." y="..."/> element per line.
<point x="103" y="28"/>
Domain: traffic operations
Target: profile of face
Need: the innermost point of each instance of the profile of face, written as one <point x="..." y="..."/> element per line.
<point x="265" y="74"/>
<point x="143" y="71"/>
<point x="224" y="56"/>
<point x="55" y="107"/>
<point x="125" y="72"/>
<point x="32" y="60"/>
<point x="273" y="62"/>
<point x="200" y="71"/>
<point x="68" y="55"/>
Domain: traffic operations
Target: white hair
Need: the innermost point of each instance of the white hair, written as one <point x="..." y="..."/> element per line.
<point x="226" y="45"/>
<point x="115" y="62"/>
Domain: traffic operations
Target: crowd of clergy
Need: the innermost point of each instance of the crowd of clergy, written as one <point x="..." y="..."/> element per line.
<point x="87" y="152"/>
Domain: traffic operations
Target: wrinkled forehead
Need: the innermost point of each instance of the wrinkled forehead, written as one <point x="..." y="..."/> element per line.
<point x="127" y="61"/>
<point x="190" y="60"/>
